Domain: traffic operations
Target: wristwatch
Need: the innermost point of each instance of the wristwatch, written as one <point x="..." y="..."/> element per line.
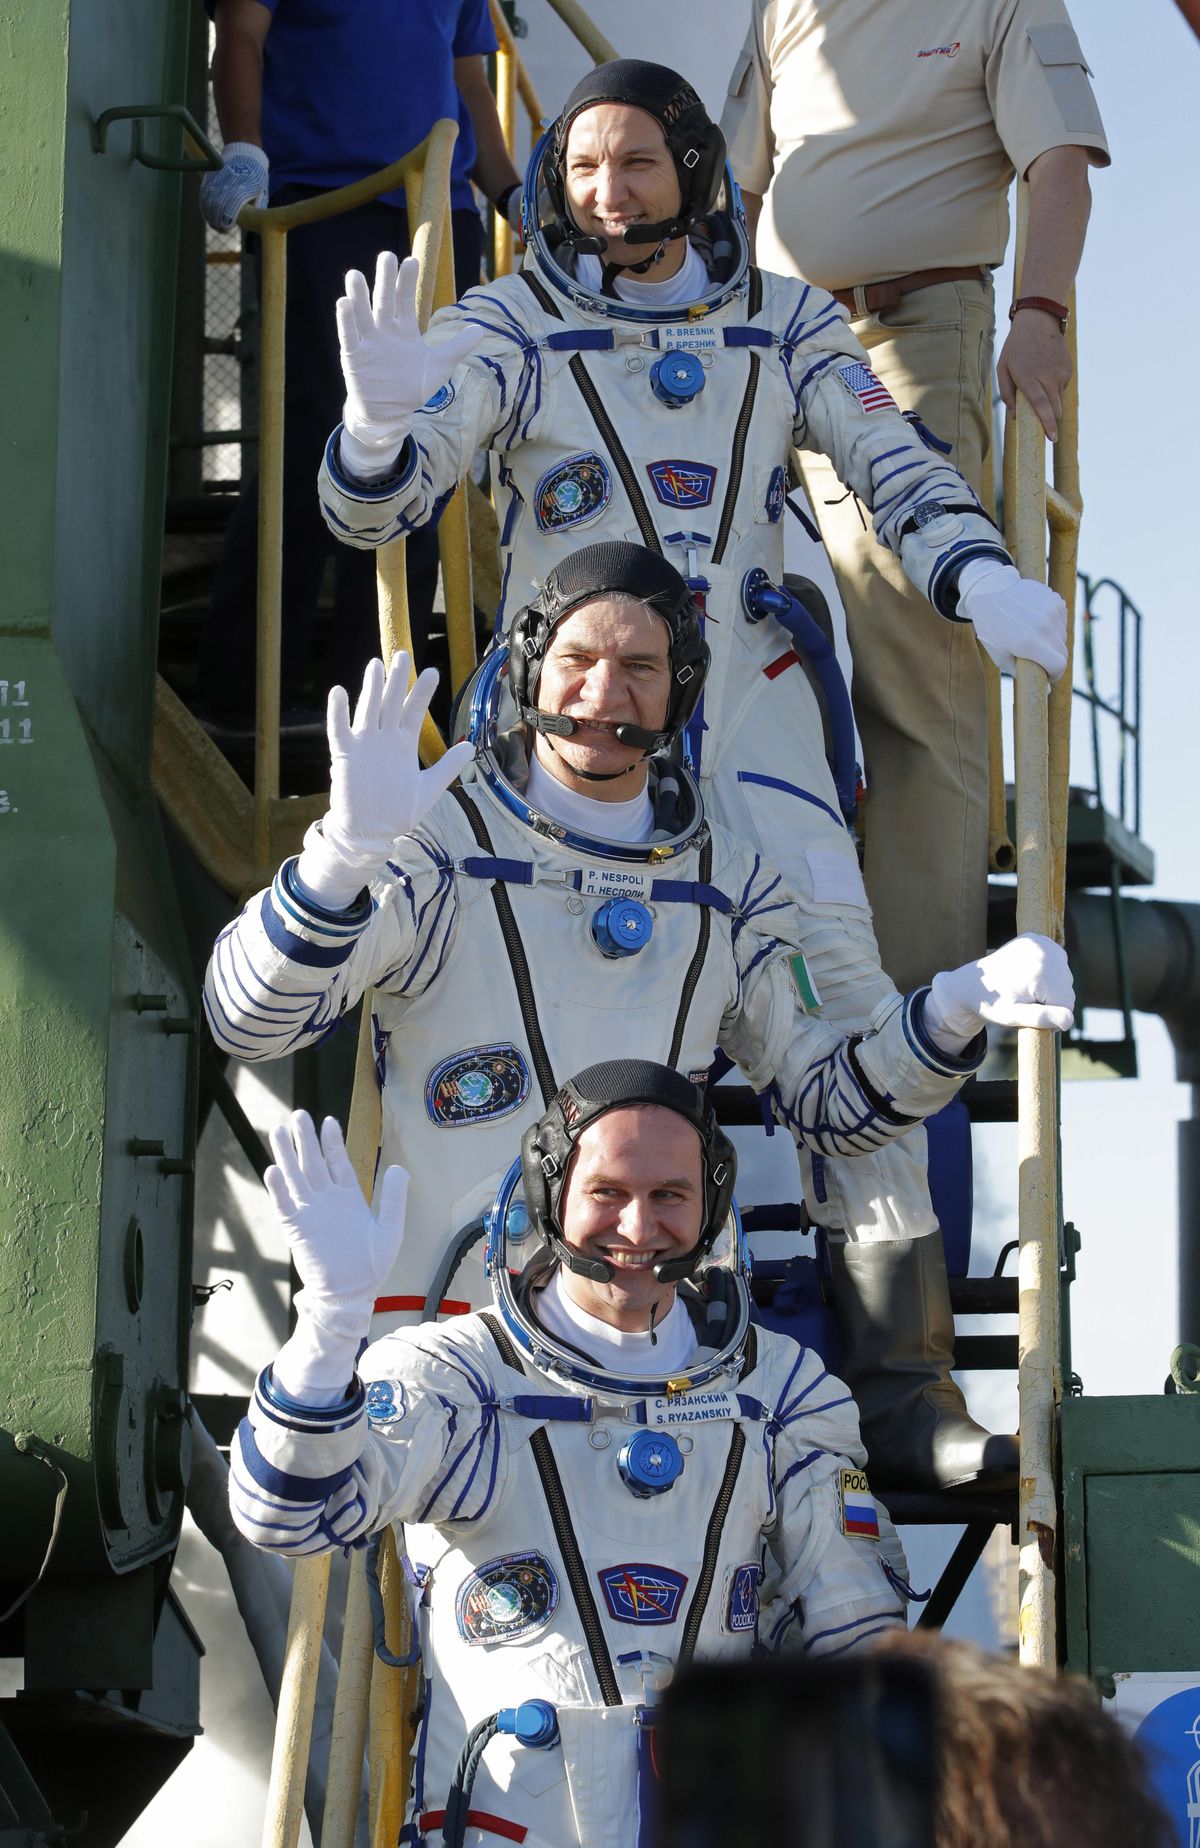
<point x="1061" y="314"/>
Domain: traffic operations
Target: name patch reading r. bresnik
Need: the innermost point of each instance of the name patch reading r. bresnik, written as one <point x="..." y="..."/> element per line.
<point x="477" y="1085"/>
<point x="507" y="1598"/>
<point x="642" y="1594"/>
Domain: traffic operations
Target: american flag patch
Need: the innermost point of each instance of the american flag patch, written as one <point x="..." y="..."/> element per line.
<point x="862" y="384"/>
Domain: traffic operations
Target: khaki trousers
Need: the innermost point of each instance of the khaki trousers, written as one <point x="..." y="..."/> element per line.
<point x="919" y="690"/>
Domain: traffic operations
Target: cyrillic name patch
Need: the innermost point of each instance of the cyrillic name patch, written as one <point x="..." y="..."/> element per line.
<point x="507" y="1598"/>
<point x="477" y="1085"/>
<point x="859" y="1516"/>
<point x="642" y="1594"/>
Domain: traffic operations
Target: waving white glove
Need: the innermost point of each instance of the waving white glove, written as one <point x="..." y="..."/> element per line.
<point x="377" y="788"/>
<point x="342" y="1252"/>
<point x="241" y="181"/>
<point x="390" y="368"/>
<point x="1027" y="983"/>
<point x="1013" y="616"/>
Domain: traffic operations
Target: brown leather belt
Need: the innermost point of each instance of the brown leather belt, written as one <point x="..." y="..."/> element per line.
<point x="868" y="297"/>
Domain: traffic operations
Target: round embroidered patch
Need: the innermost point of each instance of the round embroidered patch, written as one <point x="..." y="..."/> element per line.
<point x="386" y="1403"/>
<point x="442" y="397"/>
<point x="506" y="1599"/>
<point x="572" y="492"/>
<point x="478" y="1085"/>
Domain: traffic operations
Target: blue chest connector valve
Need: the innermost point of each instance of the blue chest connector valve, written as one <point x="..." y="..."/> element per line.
<point x="622" y="927"/>
<point x="676" y="379"/>
<point x="650" y="1463"/>
<point x="533" y="1723"/>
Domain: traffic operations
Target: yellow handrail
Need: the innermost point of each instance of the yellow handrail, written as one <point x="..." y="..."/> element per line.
<point x="1042" y="740"/>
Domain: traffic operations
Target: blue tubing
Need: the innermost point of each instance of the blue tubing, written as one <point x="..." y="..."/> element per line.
<point x="762" y="598"/>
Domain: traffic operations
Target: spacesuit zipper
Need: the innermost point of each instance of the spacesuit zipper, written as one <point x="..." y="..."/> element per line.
<point x="712" y="1547"/>
<point x="517" y="961"/>
<point x="697" y="963"/>
<point x="620" y="460"/>
<point x="564" y="1533"/>
<point x="737" y="459"/>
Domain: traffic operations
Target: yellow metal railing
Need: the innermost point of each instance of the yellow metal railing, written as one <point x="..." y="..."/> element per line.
<point x="374" y="1701"/>
<point x="1042" y="748"/>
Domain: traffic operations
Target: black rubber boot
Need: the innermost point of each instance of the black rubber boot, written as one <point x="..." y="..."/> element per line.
<point x="893" y="1307"/>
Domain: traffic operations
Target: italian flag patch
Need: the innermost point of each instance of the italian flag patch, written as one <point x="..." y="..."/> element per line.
<point x="804" y="985"/>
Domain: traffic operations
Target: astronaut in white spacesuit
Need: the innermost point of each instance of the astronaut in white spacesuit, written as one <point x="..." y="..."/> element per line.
<point x="640" y="378"/>
<point x="611" y="1447"/>
<point x="568" y="901"/>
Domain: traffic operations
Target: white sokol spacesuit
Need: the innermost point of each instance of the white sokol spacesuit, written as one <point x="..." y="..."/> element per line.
<point x="574" y="1536"/>
<point x="667" y="413"/>
<point x="502" y="947"/>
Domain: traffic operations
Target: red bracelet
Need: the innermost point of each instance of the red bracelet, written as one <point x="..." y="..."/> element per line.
<point x="1061" y="314"/>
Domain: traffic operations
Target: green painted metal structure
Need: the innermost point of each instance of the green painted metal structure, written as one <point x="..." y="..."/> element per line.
<point x="97" y="1004"/>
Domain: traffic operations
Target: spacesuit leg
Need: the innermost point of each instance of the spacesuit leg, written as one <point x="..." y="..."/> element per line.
<point x="893" y="1295"/>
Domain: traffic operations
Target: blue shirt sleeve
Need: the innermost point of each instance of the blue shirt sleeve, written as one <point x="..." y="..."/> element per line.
<point x="474" y="32"/>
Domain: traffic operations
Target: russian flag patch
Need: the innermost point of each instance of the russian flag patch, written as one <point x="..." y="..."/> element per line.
<point x="871" y="393"/>
<point x="859" y="1517"/>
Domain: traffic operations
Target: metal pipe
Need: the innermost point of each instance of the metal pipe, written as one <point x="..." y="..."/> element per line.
<point x="270" y="542"/>
<point x="1039" y="1374"/>
<point x="599" y="49"/>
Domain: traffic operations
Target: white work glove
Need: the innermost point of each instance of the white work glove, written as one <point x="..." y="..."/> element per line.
<point x="342" y="1251"/>
<point x="1013" y="616"/>
<point x="377" y="788"/>
<point x="390" y="368"/>
<point x="241" y="181"/>
<point x="1027" y="983"/>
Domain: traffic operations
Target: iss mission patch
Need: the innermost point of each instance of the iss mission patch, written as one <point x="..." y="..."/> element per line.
<point x="741" y="1606"/>
<point x="642" y="1594"/>
<point x="507" y="1598"/>
<point x="683" y="484"/>
<point x="859" y="1517"/>
<point x="386" y="1403"/>
<point x="571" y="493"/>
<point x="477" y="1085"/>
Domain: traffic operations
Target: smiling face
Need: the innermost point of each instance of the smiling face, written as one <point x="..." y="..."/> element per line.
<point x="634" y="1197"/>
<point x="618" y="172"/>
<point x="608" y="664"/>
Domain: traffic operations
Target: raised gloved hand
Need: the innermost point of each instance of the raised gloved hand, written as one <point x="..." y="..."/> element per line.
<point x="1013" y="616"/>
<point x="1027" y="983"/>
<point x="241" y="181"/>
<point x="390" y="368"/>
<point x="377" y="788"/>
<point x="342" y="1251"/>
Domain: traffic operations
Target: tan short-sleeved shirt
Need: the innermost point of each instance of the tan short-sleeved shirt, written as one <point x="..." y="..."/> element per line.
<point x="892" y="128"/>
